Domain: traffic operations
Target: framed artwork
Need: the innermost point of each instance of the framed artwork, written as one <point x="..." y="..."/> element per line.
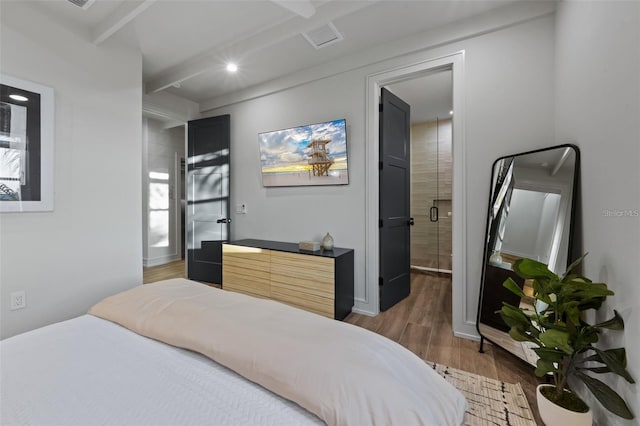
<point x="315" y="154"/>
<point x="26" y="146"/>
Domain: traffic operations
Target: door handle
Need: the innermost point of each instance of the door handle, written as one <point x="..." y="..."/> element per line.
<point x="433" y="214"/>
<point x="411" y="222"/>
<point x="223" y="220"/>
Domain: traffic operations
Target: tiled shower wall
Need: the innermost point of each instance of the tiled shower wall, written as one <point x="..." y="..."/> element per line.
<point x="431" y="183"/>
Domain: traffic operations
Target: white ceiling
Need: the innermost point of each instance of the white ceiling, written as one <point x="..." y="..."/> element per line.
<point x="187" y="43"/>
<point x="430" y="97"/>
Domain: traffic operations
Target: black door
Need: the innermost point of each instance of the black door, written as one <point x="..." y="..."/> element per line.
<point x="208" y="208"/>
<point x="395" y="259"/>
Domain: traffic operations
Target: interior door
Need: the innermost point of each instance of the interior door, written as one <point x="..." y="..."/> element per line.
<point x="394" y="175"/>
<point x="208" y="207"/>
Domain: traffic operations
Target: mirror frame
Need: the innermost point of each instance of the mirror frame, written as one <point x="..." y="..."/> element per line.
<point x="571" y="256"/>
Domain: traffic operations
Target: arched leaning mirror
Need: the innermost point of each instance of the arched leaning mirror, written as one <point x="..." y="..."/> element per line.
<point x="531" y="213"/>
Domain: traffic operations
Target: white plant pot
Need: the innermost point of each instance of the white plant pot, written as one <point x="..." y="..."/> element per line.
<point x="554" y="415"/>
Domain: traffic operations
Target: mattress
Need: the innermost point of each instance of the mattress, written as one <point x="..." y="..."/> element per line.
<point x="88" y="371"/>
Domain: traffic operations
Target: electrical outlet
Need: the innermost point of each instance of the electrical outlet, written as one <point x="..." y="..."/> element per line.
<point x="18" y="300"/>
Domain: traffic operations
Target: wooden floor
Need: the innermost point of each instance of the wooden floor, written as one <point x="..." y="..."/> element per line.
<point x="164" y="272"/>
<point x="422" y="323"/>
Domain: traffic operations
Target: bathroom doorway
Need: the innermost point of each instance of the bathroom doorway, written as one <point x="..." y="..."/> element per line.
<point x="431" y="101"/>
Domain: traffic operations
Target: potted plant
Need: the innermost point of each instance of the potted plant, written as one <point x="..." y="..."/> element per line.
<point x="554" y="322"/>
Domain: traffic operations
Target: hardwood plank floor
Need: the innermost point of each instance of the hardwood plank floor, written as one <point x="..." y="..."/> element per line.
<point x="164" y="272"/>
<point x="422" y="324"/>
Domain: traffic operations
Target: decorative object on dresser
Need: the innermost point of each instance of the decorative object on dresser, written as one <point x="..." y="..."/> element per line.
<point x="309" y="245"/>
<point x="327" y="242"/>
<point x="320" y="282"/>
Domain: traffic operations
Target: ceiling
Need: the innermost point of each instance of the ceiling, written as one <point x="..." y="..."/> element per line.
<point x="186" y="44"/>
<point x="430" y="97"/>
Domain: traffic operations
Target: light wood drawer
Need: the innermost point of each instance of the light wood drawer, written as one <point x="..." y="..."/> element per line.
<point x="249" y="291"/>
<point x="246" y="283"/>
<point x="317" y="304"/>
<point x="318" y="284"/>
<point x="248" y="263"/>
<point x="303" y="268"/>
<point x="305" y="261"/>
<point x="303" y="285"/>
<point x="246" y="270"/>
<point x="242" y="252"/>
<point x="239" y="271"/>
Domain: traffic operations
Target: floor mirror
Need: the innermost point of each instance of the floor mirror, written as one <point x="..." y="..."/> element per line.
<point x="531" y="215"/>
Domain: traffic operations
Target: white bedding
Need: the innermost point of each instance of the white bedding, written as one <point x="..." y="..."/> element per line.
<point x="344" y="374"/>
<point x="88" y="371"/>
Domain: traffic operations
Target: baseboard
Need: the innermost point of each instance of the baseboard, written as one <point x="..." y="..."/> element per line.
<point x="361" y="311"/>
<point x="425" y="269"/>
<point x="160" y="260"/>
<point x="467" y="336"/>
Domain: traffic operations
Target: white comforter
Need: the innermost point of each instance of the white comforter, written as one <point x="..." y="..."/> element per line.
<point x="344" y="374"/>
<point x="88" y="371"/>
<point x="91" y="371"/>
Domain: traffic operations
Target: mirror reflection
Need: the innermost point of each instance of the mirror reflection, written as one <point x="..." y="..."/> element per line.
<point x="531" y="207"/>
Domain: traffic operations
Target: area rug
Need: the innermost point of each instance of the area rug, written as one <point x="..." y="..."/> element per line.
<point x="491" y="402"/>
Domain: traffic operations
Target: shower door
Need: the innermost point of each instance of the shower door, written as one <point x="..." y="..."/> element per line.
<point x="431" y="186"/>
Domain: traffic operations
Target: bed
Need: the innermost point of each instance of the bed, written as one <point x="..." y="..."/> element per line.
<point x="182" y="353"/>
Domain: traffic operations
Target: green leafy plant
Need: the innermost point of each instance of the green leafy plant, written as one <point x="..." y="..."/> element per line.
<point x="565" y="340"/>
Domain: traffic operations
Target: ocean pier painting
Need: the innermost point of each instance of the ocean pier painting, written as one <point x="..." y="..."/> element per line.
<point x="315" y="154"/>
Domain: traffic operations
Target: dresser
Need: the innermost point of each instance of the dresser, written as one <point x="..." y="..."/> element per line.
<point x="320" y="282"/>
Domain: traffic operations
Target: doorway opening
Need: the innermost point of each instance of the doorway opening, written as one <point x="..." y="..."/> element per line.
<point x="162" y="193"/>
<point x="431" y="169"/>
<point x="463" y="322"/>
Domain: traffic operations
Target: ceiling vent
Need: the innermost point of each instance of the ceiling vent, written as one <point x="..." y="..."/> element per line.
<point x="323" y="36"/>
<point x="84" y="4"/>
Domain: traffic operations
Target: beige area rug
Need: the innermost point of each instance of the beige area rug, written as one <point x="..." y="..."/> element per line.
<point x="491" y="402"/>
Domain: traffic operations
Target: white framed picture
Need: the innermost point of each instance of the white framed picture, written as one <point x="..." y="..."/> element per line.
<point x="26" y="146"/>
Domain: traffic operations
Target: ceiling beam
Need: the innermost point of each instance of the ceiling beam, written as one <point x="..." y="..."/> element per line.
<point x="124" y="14"/>
<point x="269" y="36"/>
<point x="303" y="8"/>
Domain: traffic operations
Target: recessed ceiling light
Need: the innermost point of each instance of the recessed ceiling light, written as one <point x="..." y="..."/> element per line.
<point x="231" y="67"/>
<point x="450" y="112"/>
<point x="19" y="98"/>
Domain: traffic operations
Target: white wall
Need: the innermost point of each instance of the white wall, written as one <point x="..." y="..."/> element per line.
<point x="598" y="106"/>
<point x="300" y="213"/>
<point x="509" y="109"/>
<point x="162" y="150"/>
<point x="90" y="245"/>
